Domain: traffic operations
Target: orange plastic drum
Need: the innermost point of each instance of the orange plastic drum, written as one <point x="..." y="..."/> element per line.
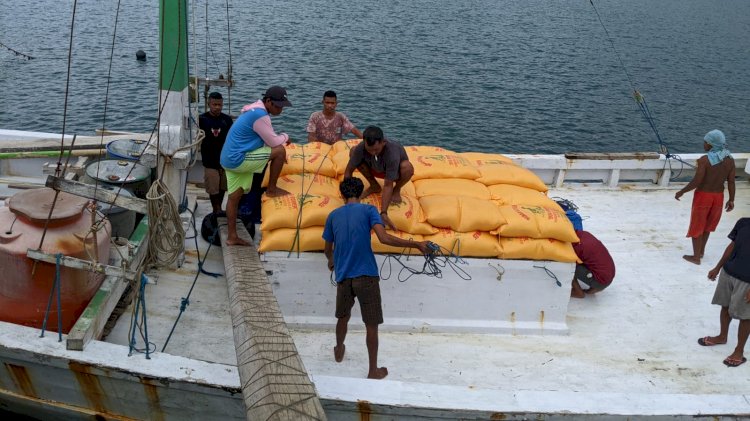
<point x="23" y="298"/>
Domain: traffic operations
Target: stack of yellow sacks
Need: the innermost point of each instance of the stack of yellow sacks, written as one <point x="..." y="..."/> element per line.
<point x="473" y="204"/>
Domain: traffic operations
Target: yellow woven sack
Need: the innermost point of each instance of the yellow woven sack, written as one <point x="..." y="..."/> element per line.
<point x="340" y="161"/>
<point x="379" y="247"/>
<point x="478" y="158"/>
<point x="407" y="216"/>
<point x="345" y="145"/>
<point x="283" y="239"/>
<point x="536" y="249"/>
<point x="283" y="211"/>
<point x="466" y="244"/>
<point x="406" y="190"/>
<point x="508" y="194"/>
<point x="510" y="174"/>
<point x="451" y="187"/>
<point x="434" y="163"/>
<point x="318" y="185"/>
<point x="460" y="213"/>
<point x="536" y="222"/>
<point x="312" y="158"/>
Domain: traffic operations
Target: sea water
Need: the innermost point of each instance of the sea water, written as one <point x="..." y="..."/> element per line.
<point x="535" y="76"/>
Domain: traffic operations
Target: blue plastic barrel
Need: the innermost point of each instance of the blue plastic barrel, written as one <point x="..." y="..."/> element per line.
<point x="128" y="149"/>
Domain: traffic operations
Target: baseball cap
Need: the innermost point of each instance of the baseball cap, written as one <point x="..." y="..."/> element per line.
<point x="277" y="95"/>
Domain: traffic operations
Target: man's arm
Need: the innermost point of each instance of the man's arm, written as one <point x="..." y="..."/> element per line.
<point x="730" y="187"/>
<point x="328" y="251"/>
<point x="263" y="127"/>
<point x="391" y="240"/>
<point x="356" y="132"/>
<point x="700" y="172"/>
<point x="386" y="196"/>
<point x="724" y="258"/>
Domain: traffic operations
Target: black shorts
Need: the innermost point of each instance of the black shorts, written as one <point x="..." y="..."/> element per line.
<point x="584" y="275"/>
<point x="367" y="290"/>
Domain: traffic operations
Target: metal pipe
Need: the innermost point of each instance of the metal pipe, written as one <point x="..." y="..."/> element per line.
<point x="51" y="153"/>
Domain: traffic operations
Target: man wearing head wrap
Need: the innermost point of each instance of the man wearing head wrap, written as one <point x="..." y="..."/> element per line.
<point x="714" y="168"/>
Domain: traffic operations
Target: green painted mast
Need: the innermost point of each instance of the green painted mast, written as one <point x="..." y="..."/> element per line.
<point x="173" y="65"/>
<point x="168" y="152"/>
<point x="174" y="101"/>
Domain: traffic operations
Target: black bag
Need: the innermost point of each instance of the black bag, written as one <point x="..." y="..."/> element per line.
<point x="210" y="227"/>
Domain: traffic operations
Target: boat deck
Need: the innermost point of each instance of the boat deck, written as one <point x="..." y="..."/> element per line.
<point x="631" y="350"/>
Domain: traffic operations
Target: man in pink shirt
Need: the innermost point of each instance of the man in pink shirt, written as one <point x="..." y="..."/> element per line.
<point x="329" y="126"/>
<point x="250" y="145"/>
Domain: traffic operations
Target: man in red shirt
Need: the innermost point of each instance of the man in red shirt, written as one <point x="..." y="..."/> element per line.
<point x="597" y="269"/>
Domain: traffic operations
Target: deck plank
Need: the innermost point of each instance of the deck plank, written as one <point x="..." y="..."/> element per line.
<point x="275" y="384"/>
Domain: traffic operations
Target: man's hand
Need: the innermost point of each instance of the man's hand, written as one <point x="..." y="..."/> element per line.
<point x="678" y="195"/>
<point x="387" y="221"/>
<point x="330" y="265"/>
<point x="747" y="297"/>
<point x="729" y="206"/>
<point x="713" y="273"/>
<point x="424" y="247"/>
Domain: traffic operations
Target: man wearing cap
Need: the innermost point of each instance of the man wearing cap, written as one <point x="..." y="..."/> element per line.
<point x="215" y="125"/>
<point x="250" y="145"/>
<point x="378" y="157"/>
<point x="329" y="126"/>
<point x="714" y="168"/>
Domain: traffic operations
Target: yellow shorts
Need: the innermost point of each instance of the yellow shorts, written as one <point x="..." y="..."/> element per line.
<point x="242" y="176"/>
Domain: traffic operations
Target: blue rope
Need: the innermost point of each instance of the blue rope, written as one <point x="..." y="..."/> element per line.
<point x="185" y="301"/>
<point x="641" y="101"/>
<point x="55" y="286"/>
<point x="140" y="307"/>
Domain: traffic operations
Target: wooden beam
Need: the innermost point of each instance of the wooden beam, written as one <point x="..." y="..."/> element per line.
<point x="90" y="191"/>
<point x="51" y="144"/>
<point x="92" y="321"/>
<point x="275" y="384"/>
<point x="76" y="263"/>
<point x="616" y="156"/>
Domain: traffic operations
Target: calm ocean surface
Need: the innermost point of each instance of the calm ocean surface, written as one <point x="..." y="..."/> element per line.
<point x="534" y="76"/>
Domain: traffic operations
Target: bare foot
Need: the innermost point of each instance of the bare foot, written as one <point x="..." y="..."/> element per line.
<point x="370" y="190"/>
<point x="236" y="241"/>
<point x="378" y="374"/>
<point x="577" y="293"/>
<point x="692" y="259"/>
<point x="276" y="192"/>
<point x="396" y="197"/>
<point x="339" y="356"/>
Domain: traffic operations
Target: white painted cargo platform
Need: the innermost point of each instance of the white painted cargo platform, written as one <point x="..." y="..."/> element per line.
<point x="630" y="350"/>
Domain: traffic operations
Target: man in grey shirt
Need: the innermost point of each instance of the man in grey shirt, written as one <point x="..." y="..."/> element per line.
<point x="378" y="157"/>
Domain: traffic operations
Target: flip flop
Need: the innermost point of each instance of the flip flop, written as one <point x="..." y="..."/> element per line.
<point x="731" y="362"/>
<point x="706" y="341"/>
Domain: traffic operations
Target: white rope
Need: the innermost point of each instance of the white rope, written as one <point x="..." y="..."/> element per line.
<point x="166" y="238"/>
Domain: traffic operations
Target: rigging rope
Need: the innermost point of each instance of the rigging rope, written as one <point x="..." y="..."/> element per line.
<point x="185" y="301"/>
<point x="301" y="201"/>
<point x="229" y="70"/>
<point x="17" y="53"/>
<point x="641" y="101"/>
